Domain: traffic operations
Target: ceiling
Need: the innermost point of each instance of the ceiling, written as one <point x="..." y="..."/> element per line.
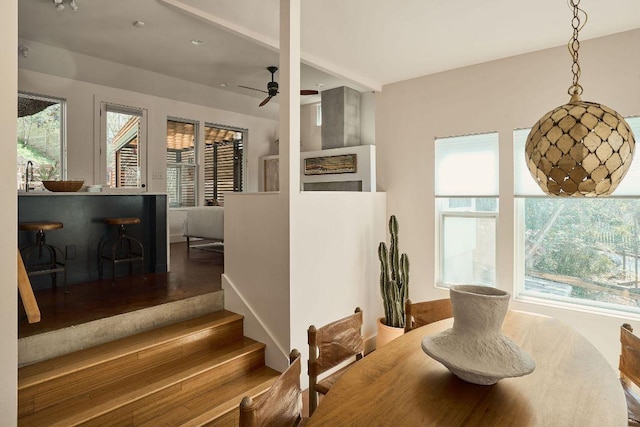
<point x="363" y="44"/>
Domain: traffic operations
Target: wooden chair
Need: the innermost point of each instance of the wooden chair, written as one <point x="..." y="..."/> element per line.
<point x="422" y="313"/>
<point x="281" y="405"/>
<point x="329" y="346"/>
<point x="629" y="367"/>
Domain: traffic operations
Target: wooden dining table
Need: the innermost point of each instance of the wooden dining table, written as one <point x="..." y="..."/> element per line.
<point x="399" y="385"/>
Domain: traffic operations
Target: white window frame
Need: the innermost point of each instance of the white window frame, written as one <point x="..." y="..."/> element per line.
<point x="441" y="213"/>
<point x="100" y="136"/>
<point x="63" y="126"/>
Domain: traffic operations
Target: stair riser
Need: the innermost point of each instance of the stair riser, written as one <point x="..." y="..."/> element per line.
<point x="230" y="419"/>
<point x="58" y="390"/>
<point x="151" y="409"/>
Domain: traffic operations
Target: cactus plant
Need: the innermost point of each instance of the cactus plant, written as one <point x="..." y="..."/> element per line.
<point x="394" y="278"/>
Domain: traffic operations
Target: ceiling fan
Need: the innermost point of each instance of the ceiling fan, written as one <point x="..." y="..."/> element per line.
<point x="272" y="87"/>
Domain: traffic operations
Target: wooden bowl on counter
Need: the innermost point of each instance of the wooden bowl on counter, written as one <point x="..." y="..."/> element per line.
<point x="63" y="186"/>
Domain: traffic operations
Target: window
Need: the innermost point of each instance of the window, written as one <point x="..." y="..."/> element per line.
<point x="319" y="115"/>
<point x="41" y="141"/>
<point x="582" y="251"/>
<point x="466" y="184"/>
<point x="123" y="140"/>
<point x="223" y="162"/>
<point x="181" y="163"/>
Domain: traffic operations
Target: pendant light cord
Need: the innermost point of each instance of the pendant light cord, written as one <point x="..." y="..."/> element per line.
<point x="574" y="46"/>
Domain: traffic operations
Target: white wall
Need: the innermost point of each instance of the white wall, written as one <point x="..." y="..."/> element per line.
<point x="496" y="96"/>
<point x="256" y="269"/>
<point x="310" y="132"/>
<point x="286" y="274"/>
<point x="8" y="216"/>
<point x="367" y="118"/>
<point x="334" y="260"/>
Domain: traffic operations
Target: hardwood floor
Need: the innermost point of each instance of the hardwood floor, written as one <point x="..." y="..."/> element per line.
<point x="195" y="272"/>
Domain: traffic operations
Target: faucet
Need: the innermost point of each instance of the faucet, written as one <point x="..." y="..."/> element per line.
<point x="28" y="177"/>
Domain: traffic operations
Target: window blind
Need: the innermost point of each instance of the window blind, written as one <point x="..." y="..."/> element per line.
<point x="467" y="165"/>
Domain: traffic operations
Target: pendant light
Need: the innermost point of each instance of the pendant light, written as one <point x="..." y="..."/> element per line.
<point x="580" y="149"/>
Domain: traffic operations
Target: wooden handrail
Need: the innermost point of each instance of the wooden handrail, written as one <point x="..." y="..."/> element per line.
<point x="26" y="293"/>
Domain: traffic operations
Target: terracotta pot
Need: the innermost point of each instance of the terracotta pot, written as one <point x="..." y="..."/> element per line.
<point x="386" y="333"/>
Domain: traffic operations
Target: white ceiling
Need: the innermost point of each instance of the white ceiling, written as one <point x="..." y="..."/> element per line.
<point x="363" y="44"/>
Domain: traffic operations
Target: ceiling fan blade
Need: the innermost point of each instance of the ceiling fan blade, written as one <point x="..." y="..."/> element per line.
<point x="267" y="99"/>
<point x="308" y="92"/>
<point x="253" y="88"/>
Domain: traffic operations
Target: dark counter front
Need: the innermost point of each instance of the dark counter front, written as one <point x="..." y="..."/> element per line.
<point x="82" y="215"/>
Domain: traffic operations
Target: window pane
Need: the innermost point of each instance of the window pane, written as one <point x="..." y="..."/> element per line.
<point x="467" y="165"/>
<point x="123" y="160"/>
<point x="585" y="251"/>
<point x="468" y="241"/>
<point x="181" y="163"/>
<point x="40" y="140"/>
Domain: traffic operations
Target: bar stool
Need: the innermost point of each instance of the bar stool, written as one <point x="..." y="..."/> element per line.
<point x="47" y="260"/>
<point x="123" y="249"/>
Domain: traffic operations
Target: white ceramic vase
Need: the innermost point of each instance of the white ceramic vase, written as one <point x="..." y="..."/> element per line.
<point x="474" y="349"/>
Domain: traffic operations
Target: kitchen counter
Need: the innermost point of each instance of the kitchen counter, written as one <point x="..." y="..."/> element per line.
<point x="82" y="214"/>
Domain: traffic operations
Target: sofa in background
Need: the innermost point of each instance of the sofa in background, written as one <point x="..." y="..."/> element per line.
<point x="204" y="222"/>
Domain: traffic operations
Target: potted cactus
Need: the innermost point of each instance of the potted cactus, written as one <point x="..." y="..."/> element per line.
<point x="394" y="287"/>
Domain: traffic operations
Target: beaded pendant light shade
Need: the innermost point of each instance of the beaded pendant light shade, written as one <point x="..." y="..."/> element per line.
<point x="581" y="149"/>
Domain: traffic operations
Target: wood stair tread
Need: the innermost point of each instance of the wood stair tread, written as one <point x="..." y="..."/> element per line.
<point x="196" y="410"/>
<point x="127" y="390"/>
<point x="63" y="365"/>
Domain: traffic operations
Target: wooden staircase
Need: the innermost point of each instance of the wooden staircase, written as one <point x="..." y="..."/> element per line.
<point x="191" y="373"/>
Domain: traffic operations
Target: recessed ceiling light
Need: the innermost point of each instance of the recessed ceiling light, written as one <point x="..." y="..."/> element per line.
<point x="224" y="84"/>
<point x="138" y="24"/>
<point x="319" y="84"/>
<point x="197" y="42"/>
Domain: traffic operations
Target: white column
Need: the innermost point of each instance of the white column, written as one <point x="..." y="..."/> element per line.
<point x="289" y="98"/>
<point x="8" y="214"/>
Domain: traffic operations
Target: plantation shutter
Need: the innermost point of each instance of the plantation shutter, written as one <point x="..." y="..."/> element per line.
<point x="223" y="163"/>
<point x="181" y="164"/>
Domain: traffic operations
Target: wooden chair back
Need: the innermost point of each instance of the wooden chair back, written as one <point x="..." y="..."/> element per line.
<point x="281" y="405"/>
<point x="629" y="367"/>
<point x="422" y="313"/>
<point x="332" y="345"/>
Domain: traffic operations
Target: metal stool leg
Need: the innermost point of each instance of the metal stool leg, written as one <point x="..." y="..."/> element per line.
<point x="120" y="250"/>
<point x="53" y="266"/>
